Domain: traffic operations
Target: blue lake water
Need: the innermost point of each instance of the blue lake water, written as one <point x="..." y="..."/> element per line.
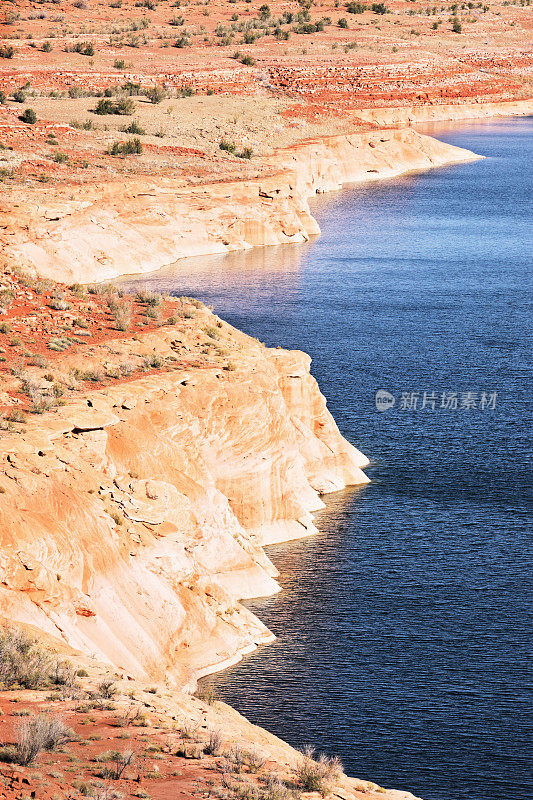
<point x="404" y="627"/>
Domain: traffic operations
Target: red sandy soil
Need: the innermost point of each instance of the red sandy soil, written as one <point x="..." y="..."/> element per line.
<point x="305" y="85"/>
<point x="30" y="329"/>
<point x="157" y="771"/>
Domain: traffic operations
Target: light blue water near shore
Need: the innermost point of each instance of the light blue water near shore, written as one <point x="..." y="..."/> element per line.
<point x="404" y="627"/>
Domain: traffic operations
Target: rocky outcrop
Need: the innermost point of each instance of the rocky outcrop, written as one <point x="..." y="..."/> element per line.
<point x="141" y="225"/>
<point x="132" y="521"/>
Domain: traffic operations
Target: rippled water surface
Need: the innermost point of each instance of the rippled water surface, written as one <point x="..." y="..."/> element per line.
<point x="404" y="627"/>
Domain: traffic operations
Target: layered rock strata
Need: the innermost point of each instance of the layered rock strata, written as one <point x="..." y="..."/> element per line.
<point x="142" y="225"/>
<point x="132" y="521"/>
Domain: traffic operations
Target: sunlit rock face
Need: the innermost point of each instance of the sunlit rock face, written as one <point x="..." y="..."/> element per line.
<point x="118" y="229"/>
<point x="132" y="520"/>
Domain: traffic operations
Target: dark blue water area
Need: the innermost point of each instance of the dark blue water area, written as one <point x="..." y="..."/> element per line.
<point x="404" y="627"/>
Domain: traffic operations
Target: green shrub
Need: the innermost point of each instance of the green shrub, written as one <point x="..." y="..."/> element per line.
<point x="456" y="25"/>
<point x="84" y="48"/>
<point x="131" y="147"/>
<point x="7" y="52"/>
<point x="229" y="147"/>
<point x="355" y="8"/>
<point x="116" y="763"/>
<point x="133" y="127"/>
<point x="19" y="96"/>
<point x="124" y="106"/>
<point x="156" y="94"/>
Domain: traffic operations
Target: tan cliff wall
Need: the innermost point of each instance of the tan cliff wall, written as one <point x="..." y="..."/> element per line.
<point x="411" y="115"/>
<point x="131" y="522"/>
<point x="138" y="226"/>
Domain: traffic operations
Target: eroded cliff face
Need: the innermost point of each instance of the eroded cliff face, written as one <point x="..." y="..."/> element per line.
<point x="131" y="522"/>
<point x="141" y="225"/>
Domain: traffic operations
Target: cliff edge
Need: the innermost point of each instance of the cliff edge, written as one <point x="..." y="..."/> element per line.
<point x="132" y="519"/>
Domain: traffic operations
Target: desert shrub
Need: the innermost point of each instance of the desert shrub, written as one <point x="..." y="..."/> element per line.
<point x="246" y="153"/>
<point x="47" y="47"/>
<point x="343" y="22"/>
<point x="6" y="297"/>
<point x="59" y="344"/>
<point x="107" y="689"/>
<point x="133" y="127"/>
<point x="15" y="415"/>
<point x="129" y="88"/>
<point x="93" y="375"/>
<point x="156" y="94"/>
<point x="148" y="298"/>
<point x="131" y="147"/>
<point x="207" y="695"/>
<point x="124" y="106"/>
<point x="19" y="96"/>
<point x="317" y="774"/>
<point x="58" y="304"/>
<point x="379" y="8"/>
<point x="43" y="732"/>
<point x="228" y="147"/>
<point x="84" y="48"/>
<point x="355" y="8"/>
<point x="133" y="715"/>
<point x="116" y="762"/>
<point x="456" y="25"/>
<point x="119" y="63"/>
<point x="255" y="759"/>
<point x="153" y="361"/>
<point x="7" y="52"/>
<point x="23" y="661"/>
<point x="275" y="788"/>
<point x="214" y="743"/>
<point x="122" y="315"/>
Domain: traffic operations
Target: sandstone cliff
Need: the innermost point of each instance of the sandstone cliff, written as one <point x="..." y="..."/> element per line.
<point x="137" y="226"/>
<point x="131" y="521"/>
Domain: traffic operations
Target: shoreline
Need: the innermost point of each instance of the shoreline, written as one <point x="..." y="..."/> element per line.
<point x="142" y="226"/>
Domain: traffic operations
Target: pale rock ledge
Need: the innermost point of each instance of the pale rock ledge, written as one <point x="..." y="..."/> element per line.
<point x="132" y="522"/>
